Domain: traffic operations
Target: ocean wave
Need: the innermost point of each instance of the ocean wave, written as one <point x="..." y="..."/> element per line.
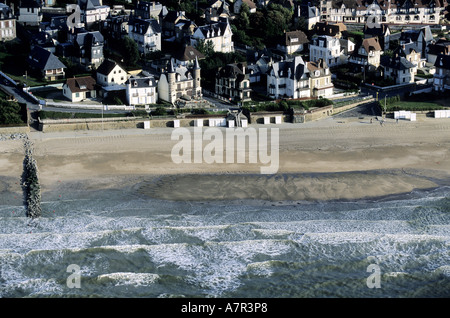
<point x="129" y="279"/>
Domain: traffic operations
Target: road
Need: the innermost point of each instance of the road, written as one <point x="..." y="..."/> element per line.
<point x="392" y="91"/>
<point x="364" y="110"/>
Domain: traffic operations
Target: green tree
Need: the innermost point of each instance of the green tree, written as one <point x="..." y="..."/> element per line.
<point x="205" y="47"/>
<point x="9" y="113"/>
<point x="129" y="51"/>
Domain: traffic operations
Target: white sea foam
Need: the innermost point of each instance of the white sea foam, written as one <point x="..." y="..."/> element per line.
<point x="128" y="278"/>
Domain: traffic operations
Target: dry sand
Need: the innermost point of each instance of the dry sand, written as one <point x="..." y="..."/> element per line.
<point x="330" y="159"/>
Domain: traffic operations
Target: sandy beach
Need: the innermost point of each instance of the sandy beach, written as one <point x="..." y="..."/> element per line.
<point x="325" y="160"/>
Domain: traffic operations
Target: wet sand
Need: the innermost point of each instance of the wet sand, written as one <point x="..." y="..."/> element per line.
<point x="326" y="160"/>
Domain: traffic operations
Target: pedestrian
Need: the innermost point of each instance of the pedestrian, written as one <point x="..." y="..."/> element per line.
<point x="397" y="120"/>
<point x="370" y="120"/>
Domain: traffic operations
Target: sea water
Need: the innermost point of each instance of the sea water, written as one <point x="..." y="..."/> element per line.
<point x="126" y="245"/>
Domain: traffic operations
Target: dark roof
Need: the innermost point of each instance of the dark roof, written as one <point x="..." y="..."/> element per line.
<point x="89" y="38"/>
<point x="81" y="84"/>
<point x="188" y="53"/>
<point x="215" y="26"/>
<point x="141" y="81"/>
<point x="233" y="71"/>
<point x="90" y="4"/>
<point x="293" y="68"/>
<point x="172" y="16"/>
<point x="397" y="62"/>
<point x="5" y="12"/>
<point x="58" y="22"/>
<point x="381" y="31"/>
<point x="44" y="60"/>
<point x="141" y="26"/>
<point x="295" y="38"/>
<point x="331" y="29"/>
<point x="30" y="4"/>
<point x="441" y="46"/>
<point x="107" y="66"/>
<point x="442" y="61"/>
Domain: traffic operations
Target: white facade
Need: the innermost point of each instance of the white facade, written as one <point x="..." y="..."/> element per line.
<point x="282" y="83"/>
<point x="146" y="33"/>
<point x="30" y="16"/>
<point x="219" y="33"/>
<point x="394" y="11"/>
<point x="117" y="76"/>
<point x="97" y="14"/>
<point x="141" y="91"/>
<point x="327" y="48"/>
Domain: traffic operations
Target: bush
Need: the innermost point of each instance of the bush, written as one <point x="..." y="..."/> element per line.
<point x="10" y="113"/>
<point x="159" y="111"/>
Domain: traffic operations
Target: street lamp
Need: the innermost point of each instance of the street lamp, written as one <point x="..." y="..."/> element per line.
<point x="26" y="80"/>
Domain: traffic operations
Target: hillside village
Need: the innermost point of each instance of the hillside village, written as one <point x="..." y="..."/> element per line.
<point x="176" y="54"/>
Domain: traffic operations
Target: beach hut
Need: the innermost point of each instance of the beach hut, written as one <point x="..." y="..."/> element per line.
<point x="147" y="124"/>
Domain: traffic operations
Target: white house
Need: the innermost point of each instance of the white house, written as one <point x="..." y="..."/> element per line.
<point x="327" y="48"/>
<point x="367" y="54"/>
<point x="289" y="79"/>
<point x="79" y="88"/>
<point x="293" y="42"/>
<point x="390" y="11"/>
<point x="93" y="11"/>
<point x="110" y="73"/>
<point x="219" y="33"/>
<point x="141" y="90"/>
<point x="295" y="78"/>
<point x="398" y="68"/>
<point x="180" y="81"/>
<point x="30" y="12"/>
<point x="146" y="33"/>
<point x="7" y="23"/>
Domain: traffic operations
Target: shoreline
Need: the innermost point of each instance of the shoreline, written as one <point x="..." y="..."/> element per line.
<point x="324" y="160"/>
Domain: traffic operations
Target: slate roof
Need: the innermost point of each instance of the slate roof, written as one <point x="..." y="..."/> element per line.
<point x="397" y="62"/>
<point x="30" y="4"/>
<point x="381" y="31"/>
<point x="44" y="60"/>
<point x="232" y="71"/>
<point x="188" y="53"/>
<point x="294" y="69"/>
<point x="89" y="38"/>
<point x="442" y="61"/>
<point x="5" y="12"/>
<point x="142" y="26"/>
<point x="81" y="84"/>
<point x="138" y="82"/>
<point x="107" y="66"/>
<point x="216" y="27"/>
<point x="442" y="46"/>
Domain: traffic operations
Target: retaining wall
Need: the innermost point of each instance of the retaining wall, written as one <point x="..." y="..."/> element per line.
<point x="15" y="130"/>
